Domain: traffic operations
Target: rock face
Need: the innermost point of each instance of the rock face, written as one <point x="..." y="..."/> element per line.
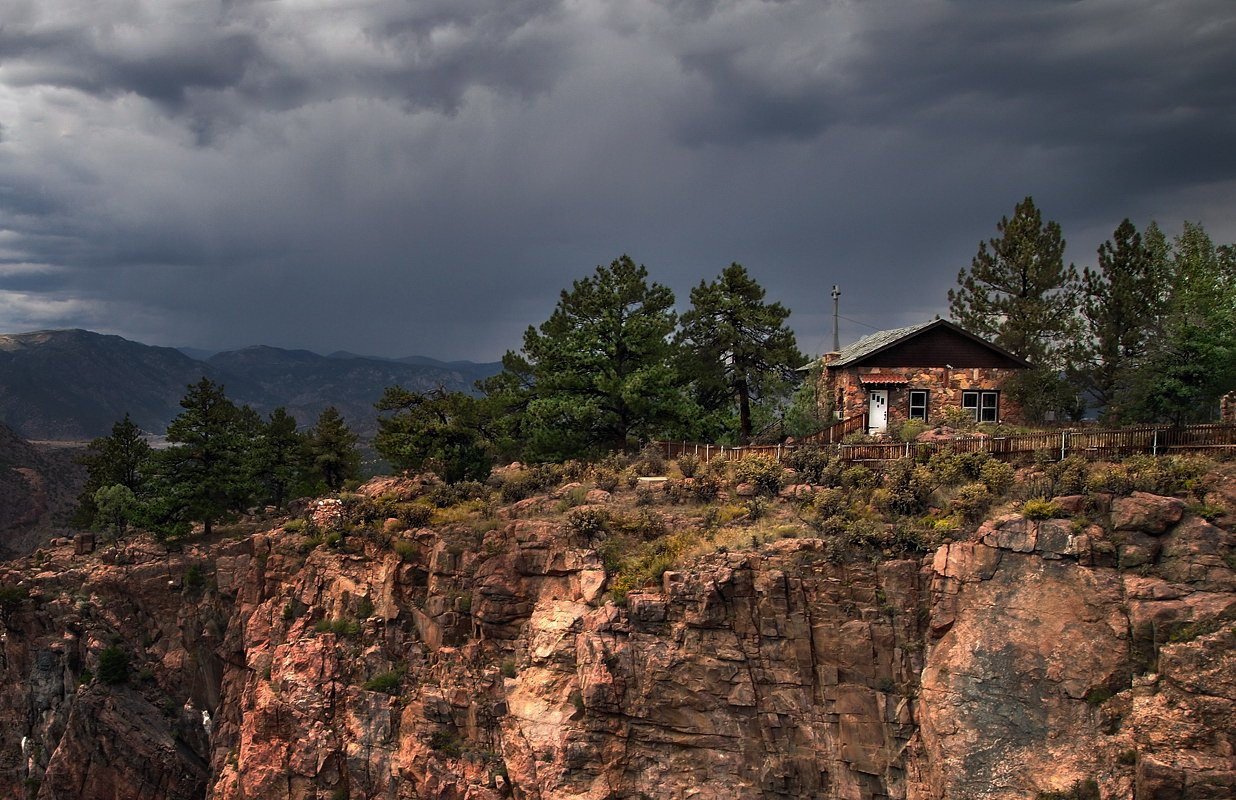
<point x="457" y="663"/>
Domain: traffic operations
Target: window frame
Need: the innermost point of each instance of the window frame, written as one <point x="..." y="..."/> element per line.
<point x="983" y="404"/>
<point x="922" y="408"/>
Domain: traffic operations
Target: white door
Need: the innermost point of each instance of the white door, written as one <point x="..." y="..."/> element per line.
<point x="877" y="411"/>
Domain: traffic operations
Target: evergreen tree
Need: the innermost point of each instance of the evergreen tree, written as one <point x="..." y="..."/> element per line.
<point x="203" y="476"/>
<point x="121" y="458"/>
<point x="1124" y="302"/>
<point x="332" y="447"/>
<point x="280" y="459"/>
<point x="437" y="430"/>
<point x="1018" y="293"/>
<point x="735" y="347"/>
<point x="600" y="371"/>
<point x="1193" y="361"/>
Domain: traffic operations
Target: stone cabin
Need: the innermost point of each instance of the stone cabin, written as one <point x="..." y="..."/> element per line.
<point x="918" y="371"/>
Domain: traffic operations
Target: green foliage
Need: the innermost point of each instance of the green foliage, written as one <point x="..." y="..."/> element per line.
<point x="406" y="550"/>
<point x="436" y="430"/>
<point x="115" y="507"/>
<point x="1040" y="508"/>
<point x="280" y="460"/>
<point x="386" y="682"/>
<point x="11" y="598"/>
<point x="997" y="476"/>
<point x="815" y="466"/>
<point x="120" y="459"/>
<point x="203" y="475"/>
<point x="114" y="665"/>
<point x="1193" y="360"/>
<point x="295" y="525"/>
<point x="1018" y="293"/>
<point x="764" y="472"/>
<point x="735" y="347"/>
<point x="971" y="501"/>
<point x="447" y="743"/>
<point x="806" y="414"/>
<point x="587" y="520"/>
<point x="332" y="448"/>
<point x="907" y="487"/>
<point x="688" y="465"/>
<point x="340" y="626"/>
<point x="1124" y="306"/>
<point x="507" y="667"/>
<point x="599" y="373"/>
<point x="1069" y="475"/>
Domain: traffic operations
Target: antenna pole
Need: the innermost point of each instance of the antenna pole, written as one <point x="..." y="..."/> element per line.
<point x="836" y="331"/>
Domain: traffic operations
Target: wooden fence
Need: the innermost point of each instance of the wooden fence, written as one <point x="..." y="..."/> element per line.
<point x="1219" y="439"/>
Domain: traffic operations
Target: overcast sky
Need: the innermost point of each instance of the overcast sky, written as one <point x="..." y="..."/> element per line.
<point x="403" y="177"/>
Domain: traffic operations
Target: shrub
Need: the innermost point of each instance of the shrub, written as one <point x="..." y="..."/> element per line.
<point x="452" y="494"/>
<point x="295" y="525"/>
<point x="908" y="487"/>
<point x="405" y="549"/>
<point x="858" y="477"/>
<point x="508" y="667"/>
<point x="765" y="473"/>
<point x="114" y="666"/>
<point x="910" y="429"/>
<point x="338" y="626"/>
<point x="587" y="520"/>
<point x="606" y="479"/>
<point x="1040" y="508"/>
<point x="575" y="496"/>
<point x="1086" y="789"/>
<point x="447" y="743"/>
<point x="414" y="515"/>
<point x="971" y="501"/>
<point x="997" y="476"/>
<point x="705" y="487"/>
<point x="688" y="465"/>
<point x="815" y="466"/>
<point x="386" y="682"/>
<point x="650" y="462"/>
<point x="1069" y="476"/>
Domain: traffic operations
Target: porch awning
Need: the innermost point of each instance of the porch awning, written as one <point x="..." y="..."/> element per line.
<point x="882" y="379"/>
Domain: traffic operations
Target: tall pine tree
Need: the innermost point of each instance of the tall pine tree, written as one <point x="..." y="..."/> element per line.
<point x="736" y="347"/>
<point x="1019" y="294"/>
<point x="599" y="373"/>
<point x="1124" y="301"/>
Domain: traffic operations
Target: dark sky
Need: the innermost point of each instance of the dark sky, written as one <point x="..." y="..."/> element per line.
<point x="424" y="176"/>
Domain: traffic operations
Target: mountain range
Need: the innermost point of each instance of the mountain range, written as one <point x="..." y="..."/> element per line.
<point x="73" y="384"/>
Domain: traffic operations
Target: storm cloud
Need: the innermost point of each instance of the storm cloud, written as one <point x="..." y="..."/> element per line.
<point x="395" y="177"/>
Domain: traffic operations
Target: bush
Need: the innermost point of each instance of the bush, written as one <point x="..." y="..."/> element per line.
<point x="997" y="476"/>
<point x="386" y="682"/>
<point x="587" y="520"/>
<point x="1040" y="508"/>
<point x="908" y="487"/>
<point x="606" y="480"/>
<point x="858" y="477"/>
<point x="295" y="525"/>
<point x="1069" y="475"/>
<point x="650" y="462"/>
<point x="814" y="466"/>
<point x="705" y="487"/>
<point x="339" y="626"/>
<point x="910" y="429"/>
<point x="405" y="549"/>
<point x="114" y="666"/>
<point x="688" y="465"/>
<point x="765" y="473"/>
<point x="972" y="501"/>
<point x="452" y="494"/>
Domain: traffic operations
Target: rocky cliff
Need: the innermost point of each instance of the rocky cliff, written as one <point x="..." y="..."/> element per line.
<point x="1083" y="656"/>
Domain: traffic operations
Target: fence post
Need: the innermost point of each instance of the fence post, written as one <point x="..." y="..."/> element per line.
<point x="1064" y="444"/>
<point x="1154" y="442"/>
<point x="778" y="452"/>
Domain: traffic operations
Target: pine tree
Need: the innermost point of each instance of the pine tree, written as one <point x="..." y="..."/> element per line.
<point x="280" y="458"/>
<point x="736" y="348"/>
<point x="1124" y="302"/>
<point x="332" y="446"/>
<point x="1018" y="293"/>
<point x="121" y="458"/>
<point x="437" y="430"/>
<point x="600" y="371"/>
<point x="203" y="476"/>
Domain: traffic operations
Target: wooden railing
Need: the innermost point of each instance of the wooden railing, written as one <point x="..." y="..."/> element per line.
<point x="1219" y="439"/>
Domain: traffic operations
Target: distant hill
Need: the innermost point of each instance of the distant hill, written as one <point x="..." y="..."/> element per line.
<point x="306" y="383"/>
<point x="39" y="486"/>
<point x="73" y="384"/>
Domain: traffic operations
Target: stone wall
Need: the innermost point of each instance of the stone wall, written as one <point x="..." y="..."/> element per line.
<point x="945" y="386"/>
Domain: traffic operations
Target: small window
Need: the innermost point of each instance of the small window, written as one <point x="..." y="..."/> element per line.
<point x="983" y="406"/>
<point x="918" y="405"/>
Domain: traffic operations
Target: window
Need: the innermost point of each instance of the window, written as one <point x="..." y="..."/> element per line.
<point x="983" y="406"/>
<point x="918" y="404"/>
